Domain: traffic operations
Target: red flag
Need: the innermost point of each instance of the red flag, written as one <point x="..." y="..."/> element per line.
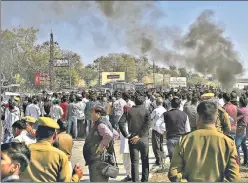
<point x="37" y="79"/>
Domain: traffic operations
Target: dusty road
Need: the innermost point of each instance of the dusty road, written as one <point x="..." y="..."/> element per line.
<point x="77" y="157"/>
<point x="160" y="176"/>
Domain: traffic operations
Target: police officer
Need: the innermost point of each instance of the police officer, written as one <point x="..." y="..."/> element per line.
<point x="49" y="164"/>
<point x="205" y="155"/>
<point x="223" y="123"/>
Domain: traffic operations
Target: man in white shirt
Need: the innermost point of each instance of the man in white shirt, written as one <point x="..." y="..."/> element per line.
<point x="147" y="102"/>
<point x="118" y="110"/>
<point x="158" y="130"/>
<point x="81" y="117"/>
<point x="33" y="110"/>
<point x="56" y="111"/>
<point x="221" y="102"/>
<point x="12" y="114"/>
<point x="20" y="133"/>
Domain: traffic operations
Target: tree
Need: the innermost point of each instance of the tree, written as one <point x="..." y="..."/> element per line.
<point x="22" y="57"/>
<point x="117" y="62"/>
<point x="88" y="75"/>
<point x="183" y="72"/>
<point x="143" y="68"/>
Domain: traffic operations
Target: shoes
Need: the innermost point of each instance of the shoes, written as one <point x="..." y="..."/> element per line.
<point x="126" y="179"/>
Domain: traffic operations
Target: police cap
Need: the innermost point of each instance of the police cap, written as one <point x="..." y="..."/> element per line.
<point x="29" y="119"/>
<point x="48" y="122"/>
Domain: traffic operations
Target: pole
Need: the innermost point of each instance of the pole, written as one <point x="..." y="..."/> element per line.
<point x="1" y="123"/>
<point x="51" y="71"/>
<point x="126" y="74"/>
<point x="70" y="70"/>
<point x="163" y="78"/>
<point x="99" y="77"/>
<point x="153" y="74"/>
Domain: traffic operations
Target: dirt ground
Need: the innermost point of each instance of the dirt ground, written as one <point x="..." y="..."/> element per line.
<point x="161" y="175"/>
<point x="156" y="175"/>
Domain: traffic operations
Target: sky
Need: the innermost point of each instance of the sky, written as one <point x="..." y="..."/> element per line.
<point x="82" y="39"/>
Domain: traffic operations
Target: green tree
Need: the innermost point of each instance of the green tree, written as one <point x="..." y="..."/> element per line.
<point x="116" y="62"/>
<point x="88" y="75"/>
<point x="183" y="72"/>
<point x="22" y="57"/>
<point x="143" y="68"/>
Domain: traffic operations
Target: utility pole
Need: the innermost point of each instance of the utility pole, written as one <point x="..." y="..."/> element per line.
<point x="69" y="60"/>
<point x="99" y="75"/>
<point x="51" y="71"/>
<point x="126" y="74"/>
<point x="163" y="76"/>
<point x="153" y="71"/>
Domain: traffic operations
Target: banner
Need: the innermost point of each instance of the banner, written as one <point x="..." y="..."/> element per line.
<point x="41" y="79"/>
<point x="175" y="82"/>
<point x="37" y="79"/>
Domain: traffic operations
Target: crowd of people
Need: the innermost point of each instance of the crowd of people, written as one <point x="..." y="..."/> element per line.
<point x="204" y="131"/>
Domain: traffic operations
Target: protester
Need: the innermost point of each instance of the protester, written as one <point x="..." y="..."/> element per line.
<point x="98" y="148"/>
<point x="33" y="109"/>
<point x="241" y="132"/>
<point x="191" y="111"/>
<point x="72" y="114"/>
<point x="232" y="112"/>
<point x="124" y="147"/>
<point x="177" y="124"/>
<point x="15" y="158"/>
<point x="56" y="111"/>
<point x="158" y="131"/>
<point x="64" y="106"/>
<point x="12" y="114"/>
<point x="20" y="133"/>
<point x="138" y="120"/>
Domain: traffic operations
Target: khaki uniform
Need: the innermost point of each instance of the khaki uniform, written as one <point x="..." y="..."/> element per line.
<point x="205" y="155"/>
<point x="223" y="123"/>
<point x="65" y="143"/>
<point x="47" y="163"/>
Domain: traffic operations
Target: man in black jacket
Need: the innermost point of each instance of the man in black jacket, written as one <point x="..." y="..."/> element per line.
<point x="138" y="119"/>
<point x="177" y="124"/>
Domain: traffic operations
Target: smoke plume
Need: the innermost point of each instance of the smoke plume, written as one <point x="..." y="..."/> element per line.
<point x="140" y="26"/>
<point x="210" y="52"/>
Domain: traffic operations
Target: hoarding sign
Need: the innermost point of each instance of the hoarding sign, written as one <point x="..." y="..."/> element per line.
<point x="175" y="82"/>
<point x="61" y="63"/>
<point x="41" y="79"/>
<point x="112" y="76"/>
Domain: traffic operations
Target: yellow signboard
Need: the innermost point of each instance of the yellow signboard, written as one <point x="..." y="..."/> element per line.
<point x="112" y="76"/>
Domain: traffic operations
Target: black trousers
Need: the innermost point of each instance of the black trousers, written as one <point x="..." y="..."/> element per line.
<point x="157" y="146"/>
<point x="171" y="144"/>
<point x="245" y="150"/>
<point x="141" y="147"/>
<point x="96" y="174"/>
<point x="81" y="125"/>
